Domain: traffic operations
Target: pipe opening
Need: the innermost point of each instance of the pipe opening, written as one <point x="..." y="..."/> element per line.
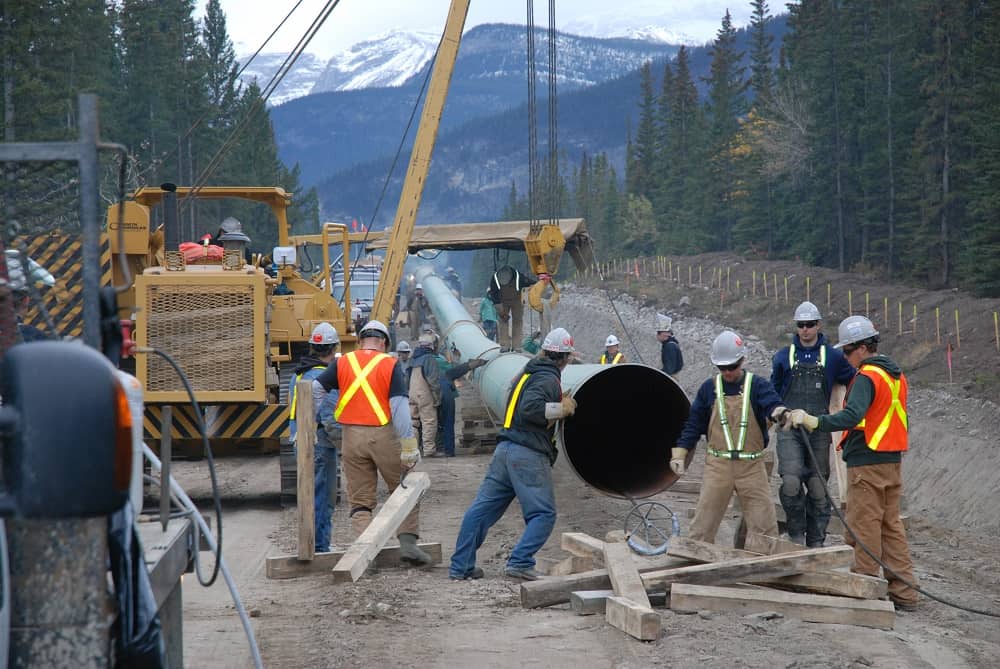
<point x="619" y="440"/>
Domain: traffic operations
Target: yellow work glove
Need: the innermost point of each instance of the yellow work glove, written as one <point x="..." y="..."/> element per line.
<point x="568" y="406"/>
<point x="410" y="454"/>
<point x="800" y="418"/>
<point x="678" y="458"/>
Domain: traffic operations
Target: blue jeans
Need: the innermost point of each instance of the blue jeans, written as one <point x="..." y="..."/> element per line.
<point x="446" y="421"/>
<point x="515" y="471"/>
<point x="325" y="466"/>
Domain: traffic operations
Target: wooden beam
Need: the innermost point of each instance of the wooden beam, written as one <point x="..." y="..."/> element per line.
<point x="289" y="566"/>
<point x="637" y="621"/>
<point x="765" y="545"/>
<point x="625" y="579"/>
<point x="574" y="564"/>
<point x="305" y="444"/>
<point x="811" y="608"/>
<point x="702" y="551"/>
<point x="583" y="545"/>
<point x="590" y="602"/>
<point x="362" y="552"/>
<point x="839" y="467"/>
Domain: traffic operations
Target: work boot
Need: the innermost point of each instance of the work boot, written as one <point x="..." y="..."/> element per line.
<point x="799" y="539"/>
<point x="360" y="520"/>
<point x="410" y="552"/>
<point x="473" y="574"/>
<point x="525" y="574"/>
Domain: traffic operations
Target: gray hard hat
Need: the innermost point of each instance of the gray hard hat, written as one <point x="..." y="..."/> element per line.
<point x="728" y="349"/>
<point x="807" y="311"/>
<point x="854" y="329"/>
<point x="374" y="329"/>
<point x="231" y="230"/>
<point x="403" y="347"/>
<point x="558" y="341"/>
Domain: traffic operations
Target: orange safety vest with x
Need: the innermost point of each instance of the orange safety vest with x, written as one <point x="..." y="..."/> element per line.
<point x="364" y="377"/>
<point x="885" y="423"/>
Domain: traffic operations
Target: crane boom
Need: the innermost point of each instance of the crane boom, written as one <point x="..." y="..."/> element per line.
<point x="420" y="160"/>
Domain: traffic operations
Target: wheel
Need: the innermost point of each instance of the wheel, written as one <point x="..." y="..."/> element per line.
<point x="649" y="526"/>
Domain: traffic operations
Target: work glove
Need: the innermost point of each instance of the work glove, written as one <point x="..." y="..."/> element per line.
<point x="799" y="418"/>
<point x="568" y="406"/>
<point x="780" y="418"/>
<point x="678" y="458"/>
<point x="476" y="363"/>
<point x="410" y="454"/>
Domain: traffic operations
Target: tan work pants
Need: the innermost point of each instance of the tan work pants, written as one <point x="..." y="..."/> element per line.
<point x="873" y="496"/>
<point x="511" y="325"/>
<point x="748" y="478"/>
<point x="367" y="452"/>
<point x="423" y="411"/>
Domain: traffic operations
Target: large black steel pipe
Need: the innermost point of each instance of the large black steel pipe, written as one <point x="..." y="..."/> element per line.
<point x="628" y="416"/>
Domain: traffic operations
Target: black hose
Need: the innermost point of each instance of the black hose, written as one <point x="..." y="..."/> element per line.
<point x="859" y="544"/>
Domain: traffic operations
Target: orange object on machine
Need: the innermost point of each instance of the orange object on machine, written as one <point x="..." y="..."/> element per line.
<point x="193" y="252"/>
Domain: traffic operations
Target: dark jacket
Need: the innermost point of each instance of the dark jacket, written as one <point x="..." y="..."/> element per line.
<point x="859" y="397"/>
<point x="837" y="369"/>
<point x="763" y="400"/>
<point x="425" y="359"/>
<point x="671" y="356"/>
<point x="529" y="427"/>
<point x="504" y="277"/>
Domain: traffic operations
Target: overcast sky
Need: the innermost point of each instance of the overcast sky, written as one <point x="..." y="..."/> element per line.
<point x="251" y="21"/>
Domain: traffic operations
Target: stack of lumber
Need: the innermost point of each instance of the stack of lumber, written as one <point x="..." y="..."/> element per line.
<point x="478" y="432"/>
<point x="807" y="584"/>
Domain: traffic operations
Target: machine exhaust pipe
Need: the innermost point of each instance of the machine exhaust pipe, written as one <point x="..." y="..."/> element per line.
<point x="628" y="416"/>
<point x="171" y="227"/>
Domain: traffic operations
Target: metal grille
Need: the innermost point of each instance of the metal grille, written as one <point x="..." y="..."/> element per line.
<point x="209" y="332"/>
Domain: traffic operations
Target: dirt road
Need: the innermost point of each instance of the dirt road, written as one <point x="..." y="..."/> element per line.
<point x="420" y="618"/>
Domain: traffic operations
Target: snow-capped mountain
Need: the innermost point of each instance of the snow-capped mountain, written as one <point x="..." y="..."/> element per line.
<point x="388" y="59"/>
<point x="644" y="28"/>
<point x="296" y="84"/>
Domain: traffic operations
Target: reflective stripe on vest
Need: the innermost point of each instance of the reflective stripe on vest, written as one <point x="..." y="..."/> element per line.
<point x="724" y="417"/>
<point x="895" y="409"/>
<point x="509" y="416"/>
<point x="360" y="382"/>
<point x="298" y="377"/>
<point x="617" y="359"/>
<point x="791" y="356"/>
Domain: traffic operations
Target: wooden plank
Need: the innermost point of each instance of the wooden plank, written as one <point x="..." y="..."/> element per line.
<point x="590" y="602"/>
<point x="810" y="608"/>
<point x="305" y="444"/>
<point x="362" y="552"/>
<point x="839" y="467"/>
<point x="574" y="564"/>
<point x="583" y="545"/>
<point x="289" y="566"/>
<point x="844" y="584"/>
<point x="765" y="545"/>
<point x="754" y="569"/>
<point x="637" y="621"/>
<point x="625" y="579"/>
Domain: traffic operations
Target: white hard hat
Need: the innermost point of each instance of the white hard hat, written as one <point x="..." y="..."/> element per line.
<point x="728" y="348"/>
<point x="807" y="311"/>
<point x="664" y="323"/>
<point x="450" y="270"/>
<point x="403" y="347"/>
<point x="559" y="341"/>
<point x="324" y="333"/>
<point x="854" y="329"/>
<point x="426" y="339"/>
<point x="419" y="286"/>
<point x="372" y="329"/>
<point x="611" y="341"/>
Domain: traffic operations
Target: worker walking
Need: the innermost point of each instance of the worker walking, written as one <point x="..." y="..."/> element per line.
<point x="731" y="410"/>
<point x="423" y="379"/>
<point x="612" y="351"/>
<point x="323" y="344"/>
<point x="804" y="374"/>
<point x="377" y="434"/>
<point x="522" y="465"/>
<point x="505" y="291"/>
<point x="670" y="351"/>
<point x="875" y="422"/>
<point x="419" y="310"/>
<point x="488" y="316"/>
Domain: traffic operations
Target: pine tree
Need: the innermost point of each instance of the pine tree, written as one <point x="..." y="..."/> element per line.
<point x="643" y="165"/>
<point x="761" y="75"/>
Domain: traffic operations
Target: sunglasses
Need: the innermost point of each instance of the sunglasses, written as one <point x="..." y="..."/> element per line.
<point x="729" y="368"/>
<point x="806" y="324"/>
<point x="849" y="349"/>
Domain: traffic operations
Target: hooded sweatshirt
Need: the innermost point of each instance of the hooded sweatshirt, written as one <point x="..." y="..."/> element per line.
<point x="859" y="397"/>
<point x="529" y="427"/>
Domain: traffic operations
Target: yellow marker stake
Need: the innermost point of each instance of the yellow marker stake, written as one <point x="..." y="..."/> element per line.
<point x="937" y="323"/>
<point x="727" y="278"/>
<point x="900" y="318"/>
<point x="850" y="302"/>
<point x="958" y="332"/>
<point x="764" y="283"/>
<point x="786" y="290"/>
<point x="699" y="275"/>
<point x="753" y="275"/>
<point x="775" y="277"/>
<point x="866" y="305"/>
<point x="689" y="275"/>
<point x="808" y="292"/>
<point x="885" y="309"/>
<point x="827" y="295"/>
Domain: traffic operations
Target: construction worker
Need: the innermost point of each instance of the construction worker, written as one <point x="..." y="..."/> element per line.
<point x="424" y="382"/>
<point x="731" y="410"/>
<point x="532" y="344"/>
<point x="804" y="374"/>
<point x="374" y="415"/>
<point x="875" y="423"/>
<point x="505" y="291"/>
<point x="612" y="354"/>
<point x="448" y="374"/>
<point x="521" y="466"/>
<point x="488" y="316"/>
<point x="403" y="351"/>
<point x="419" y="309"/>
<point x="21" y="282"/>
<point x="670" y="350"/>
<point x="322" y="350"/>
<point x="454" y="282"/>
<point x="231" y="236"/>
